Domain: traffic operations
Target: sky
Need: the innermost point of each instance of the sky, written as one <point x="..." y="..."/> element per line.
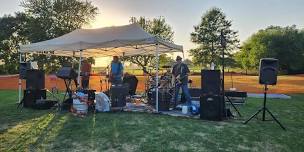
<point x="248" y="16"/>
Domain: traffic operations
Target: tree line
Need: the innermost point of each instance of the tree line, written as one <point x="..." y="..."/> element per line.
<point x="41" y="20"/>
<point x="47" y="19"/>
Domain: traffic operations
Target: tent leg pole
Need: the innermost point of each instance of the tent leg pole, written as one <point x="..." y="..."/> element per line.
<point x="79" y="68"/>
<point x="156" y="77"/>
<point x="19" y="81"/>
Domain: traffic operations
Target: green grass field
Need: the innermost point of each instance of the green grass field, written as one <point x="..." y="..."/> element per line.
<point x="48" y="130"/>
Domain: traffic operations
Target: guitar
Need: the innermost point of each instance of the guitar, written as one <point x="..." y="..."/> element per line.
<point x="178" y="79"/>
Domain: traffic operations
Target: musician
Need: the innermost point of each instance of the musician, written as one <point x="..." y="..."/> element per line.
<point x="180" y="73"/>
<point x="116" y="72"/>
<point x="85" y="73"/>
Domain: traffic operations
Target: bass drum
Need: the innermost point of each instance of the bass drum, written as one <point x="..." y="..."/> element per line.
<point x="164" y="96"/>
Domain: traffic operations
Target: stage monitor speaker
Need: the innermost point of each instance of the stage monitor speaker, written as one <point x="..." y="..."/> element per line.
<point x="132" y="81"/>
<point x="118" y="94"/>
<point x="211" y="107"/>
<point x="268" y="71"/>
<point x="30" y="97"/>
<point x="211" y="81"/>
<point x="35" y="79"/>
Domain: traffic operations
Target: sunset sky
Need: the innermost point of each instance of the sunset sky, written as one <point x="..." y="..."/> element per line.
<point x="248" y="16"/>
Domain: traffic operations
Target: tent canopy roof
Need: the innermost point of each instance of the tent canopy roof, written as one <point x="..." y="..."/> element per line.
<point x="124" y="40"/>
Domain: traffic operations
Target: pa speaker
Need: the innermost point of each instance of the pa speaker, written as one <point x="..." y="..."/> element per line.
<point x="23" y="67"/>
<point x="211" y="81"/>
<point x="268" y="71"/>
<point x="35" y="79"/>
<point x="211" y="107"/>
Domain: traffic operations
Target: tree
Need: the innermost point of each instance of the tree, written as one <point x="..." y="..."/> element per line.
<point x="207" y="35"/>
<point x="11" y="37"/>
<point x="42" y="20"/>
<point x="283" y="43"/>
<point x="157" y="27"/>
<point x="188" y="62"/>
<point x="48" y="19"/>
<point x="165" y="60"/>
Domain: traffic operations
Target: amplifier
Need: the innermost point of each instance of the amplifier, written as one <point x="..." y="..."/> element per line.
<point x="118" y="94"/>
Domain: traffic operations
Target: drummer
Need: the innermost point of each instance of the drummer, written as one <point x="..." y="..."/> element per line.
<point x="165" y="79"/>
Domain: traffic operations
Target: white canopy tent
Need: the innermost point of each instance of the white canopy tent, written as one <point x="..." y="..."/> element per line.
<point x="124" y="40"/>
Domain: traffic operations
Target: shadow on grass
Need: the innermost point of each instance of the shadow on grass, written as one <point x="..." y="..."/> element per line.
<point x="25" y="132"/>
<point x="127" y="131"/>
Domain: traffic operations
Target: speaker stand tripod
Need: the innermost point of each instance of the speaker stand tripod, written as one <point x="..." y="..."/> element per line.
<point x="264" y="109"/>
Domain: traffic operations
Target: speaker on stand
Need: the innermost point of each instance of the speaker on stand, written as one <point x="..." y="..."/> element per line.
<point x="268" y="72"/>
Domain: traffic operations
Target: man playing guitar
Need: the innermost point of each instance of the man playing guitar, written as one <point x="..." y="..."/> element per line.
<point x="180" y="72"/>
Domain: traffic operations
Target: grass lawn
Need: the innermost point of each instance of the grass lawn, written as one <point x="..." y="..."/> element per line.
<point x="48" y="130"/>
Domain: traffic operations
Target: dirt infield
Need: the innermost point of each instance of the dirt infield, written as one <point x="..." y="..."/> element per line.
<point x="286" y="84"/>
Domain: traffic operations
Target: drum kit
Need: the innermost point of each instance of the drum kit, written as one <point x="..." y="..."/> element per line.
<point x="165" y="86"/>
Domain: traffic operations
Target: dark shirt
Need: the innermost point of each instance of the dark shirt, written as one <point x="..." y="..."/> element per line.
<point x="182" y="70"/>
